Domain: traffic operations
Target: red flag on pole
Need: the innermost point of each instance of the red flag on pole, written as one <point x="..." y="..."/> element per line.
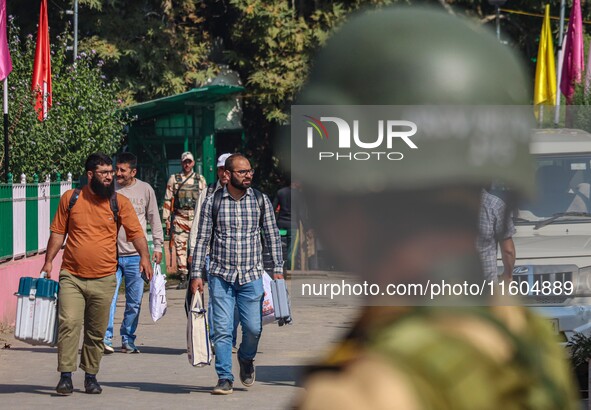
<point x="42" y="66"/>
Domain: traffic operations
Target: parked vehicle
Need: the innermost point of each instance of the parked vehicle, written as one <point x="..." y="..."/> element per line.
<point x="553" y="239"/>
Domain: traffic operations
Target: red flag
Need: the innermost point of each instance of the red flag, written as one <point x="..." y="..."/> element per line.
<point x="42" y="66"/>
<point x="5" y="61"/>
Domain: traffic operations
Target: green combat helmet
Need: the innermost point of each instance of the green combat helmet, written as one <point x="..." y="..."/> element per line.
<point x="432" y="61"/>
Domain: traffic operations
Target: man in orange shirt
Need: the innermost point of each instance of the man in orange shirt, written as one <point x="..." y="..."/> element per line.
<point x="87" y="276"/>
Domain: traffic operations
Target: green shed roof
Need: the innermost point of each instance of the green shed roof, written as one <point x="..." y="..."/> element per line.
<point x="179" y="102"/>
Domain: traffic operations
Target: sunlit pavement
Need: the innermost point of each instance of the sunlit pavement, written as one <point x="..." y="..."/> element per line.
<point x="160" y="377"/>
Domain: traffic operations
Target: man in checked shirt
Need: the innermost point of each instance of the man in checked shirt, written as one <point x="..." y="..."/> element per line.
<point x="236" y="267"/>
<point x="495" y="230"/>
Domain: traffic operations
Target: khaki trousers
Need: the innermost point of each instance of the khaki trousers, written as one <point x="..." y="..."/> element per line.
<point x="83" y="301"/>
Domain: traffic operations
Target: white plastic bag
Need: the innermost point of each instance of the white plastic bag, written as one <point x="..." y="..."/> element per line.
<point x="268" y="309"/>
<point x="198" y="345"/>
<point x="157" y="294"/>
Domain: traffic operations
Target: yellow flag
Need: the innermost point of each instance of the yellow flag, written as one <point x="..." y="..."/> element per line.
<point x="545" y="85"/>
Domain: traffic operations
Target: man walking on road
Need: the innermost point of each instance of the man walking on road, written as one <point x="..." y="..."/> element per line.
<point x="183" y="192"/>
<point x="91" y="218"/>
<point x="232" y="220"/>
<point x="221" y="182"/>
<point x="144" y="202"/>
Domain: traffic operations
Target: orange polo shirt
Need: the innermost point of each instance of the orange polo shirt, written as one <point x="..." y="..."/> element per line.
<point x="91" y="247"/>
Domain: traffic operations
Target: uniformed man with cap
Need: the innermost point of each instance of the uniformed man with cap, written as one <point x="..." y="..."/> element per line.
<point x="183" y="192"/>
<point x="415" y="219"/>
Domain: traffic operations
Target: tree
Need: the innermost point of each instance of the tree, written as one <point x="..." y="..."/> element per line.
<point x="159" y="47"/>
<point x="84" y="117"/>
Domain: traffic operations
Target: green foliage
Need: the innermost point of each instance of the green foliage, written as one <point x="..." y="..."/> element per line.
<point x="82" y="120"/>
<point x="580" y="349"/>
<point x="155" y="47"/>
<point x="160" y="47"/>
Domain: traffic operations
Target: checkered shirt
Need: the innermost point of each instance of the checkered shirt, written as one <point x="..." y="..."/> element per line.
<point x="237" y="251"/>
<point x="492" y="231"/>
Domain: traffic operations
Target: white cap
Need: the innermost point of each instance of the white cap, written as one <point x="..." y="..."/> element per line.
<point x="187" y="155"/>
<point x="222" y="159"/>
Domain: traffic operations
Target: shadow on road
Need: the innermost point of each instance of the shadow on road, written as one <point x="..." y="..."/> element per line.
<point x="279" y="375"/>
<point x="52" y="350"/>
<point x="161" y="387"/>
<point x="27" y="388"/>
<point x="162" y="350"/>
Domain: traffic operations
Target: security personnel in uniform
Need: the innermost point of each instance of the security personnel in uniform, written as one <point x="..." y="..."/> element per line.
<point x="409" y="220"/>
<point x="183" y="191"/>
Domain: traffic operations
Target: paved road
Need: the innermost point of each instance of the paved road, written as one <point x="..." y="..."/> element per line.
<point x="161" y="377"/>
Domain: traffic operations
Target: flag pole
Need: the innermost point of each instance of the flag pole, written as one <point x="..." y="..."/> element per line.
<point x="5" y="104"/>
<point x="44" y="100"/>
<point x="559" y="54"/>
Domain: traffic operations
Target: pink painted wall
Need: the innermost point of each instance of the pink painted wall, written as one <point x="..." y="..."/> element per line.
<point x="10" y="274"/>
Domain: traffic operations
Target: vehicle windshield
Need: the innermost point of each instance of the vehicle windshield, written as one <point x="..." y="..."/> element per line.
<point x="563" y="184"/>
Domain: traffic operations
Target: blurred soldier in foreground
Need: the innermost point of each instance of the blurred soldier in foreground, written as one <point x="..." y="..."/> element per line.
<point x="410" y="220"/>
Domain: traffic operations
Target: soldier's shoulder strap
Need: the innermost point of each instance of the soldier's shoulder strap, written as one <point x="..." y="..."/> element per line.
<point x="179" y="180"/>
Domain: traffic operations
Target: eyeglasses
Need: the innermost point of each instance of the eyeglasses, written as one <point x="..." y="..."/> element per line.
<point x="104" y="173"/>
<point x="244" y="172"/>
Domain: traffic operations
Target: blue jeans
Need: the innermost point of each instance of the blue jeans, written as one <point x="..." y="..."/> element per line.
<point x="209" y="310"/>
<point x="225" y="298"/>
<point x="128" y="267"/>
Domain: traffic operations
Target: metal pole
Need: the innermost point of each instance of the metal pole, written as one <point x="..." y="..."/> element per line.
<point x="559" y="54"/>
<point x="498" y="23"/>
<point x="5" y="104"/>
<point x="75" y="29"/>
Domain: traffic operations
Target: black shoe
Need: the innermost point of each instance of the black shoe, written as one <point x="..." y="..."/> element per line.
<point x="65" y="386"/>
<point x="92" y="386"/>
<point x="247" y="374"/>
<point x="224" y="386"/>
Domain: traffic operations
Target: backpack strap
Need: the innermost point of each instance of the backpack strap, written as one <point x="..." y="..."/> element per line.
<point x="74" y="198"/>
<point x="115" y="209"/>
<point x="211" y="188"/>
<point x="113" y="203"/>
<point x="261" y="201"/>
<point x="215" y="210"/>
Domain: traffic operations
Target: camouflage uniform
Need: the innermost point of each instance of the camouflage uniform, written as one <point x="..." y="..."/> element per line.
<point x="191" y="193"/>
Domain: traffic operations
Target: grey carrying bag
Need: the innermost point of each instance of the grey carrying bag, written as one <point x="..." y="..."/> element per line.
<point x="281" y="302"/>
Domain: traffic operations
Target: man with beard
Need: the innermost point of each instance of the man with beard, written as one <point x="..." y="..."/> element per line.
<point x="231" y="221"/>
<point x="91" y="218"/>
